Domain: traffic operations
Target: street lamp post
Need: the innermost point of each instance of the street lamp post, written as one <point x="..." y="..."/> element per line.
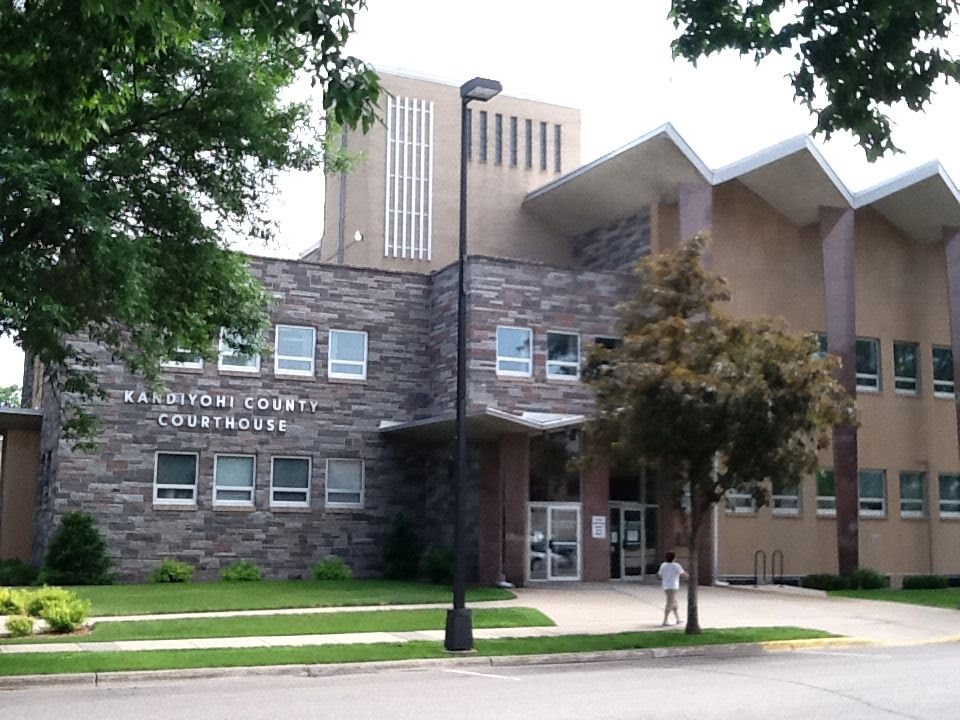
<point x="459" y="631"/>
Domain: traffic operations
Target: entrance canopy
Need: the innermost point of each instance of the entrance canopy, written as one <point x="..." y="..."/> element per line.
<point x="485" y="424"/>
<point x="20" y="419"/>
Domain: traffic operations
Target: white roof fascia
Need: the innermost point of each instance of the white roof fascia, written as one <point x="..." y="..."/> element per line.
<point x="904" y="181"/>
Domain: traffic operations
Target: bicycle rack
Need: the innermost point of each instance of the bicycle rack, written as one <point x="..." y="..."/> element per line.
<point x="759" y="563"/>
<point x="773" y="566"/>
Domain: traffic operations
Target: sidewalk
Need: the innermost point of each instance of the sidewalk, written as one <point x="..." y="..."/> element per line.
<point x="599" y="608"/>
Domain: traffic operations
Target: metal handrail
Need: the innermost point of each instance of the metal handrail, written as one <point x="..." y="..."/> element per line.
<point x="759" y="556"/>
<point x="773" y="566"/>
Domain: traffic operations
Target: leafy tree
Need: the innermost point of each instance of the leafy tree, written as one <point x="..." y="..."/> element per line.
<point x="853" y="59"/>
<point x="134" y="136"/>
<point x="722" y="403"/>
<point x="10" y="396"/>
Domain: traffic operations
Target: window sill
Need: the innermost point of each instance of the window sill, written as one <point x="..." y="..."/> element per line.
<point x="337" y="379"/>
<point x="280" y="375"/>
<point x="868" y="390"/>
<point x="232" y="372"/>
<point x="827" y="514"/>
<point x="907" y="393"/>
<point x="795" y="514"/>
<point x="183" y="370"/>
<point x="563" y="378"/>
<point x="222" y="507"/>
<point x="913" y="516"/>
<point x="173" y="507"/>
<point x="944" y="396"/>
<point x="291" y="509"/>
<point x="873" y="516"/>
<point x="949" y="517"/>
<point x="328" y="507"/>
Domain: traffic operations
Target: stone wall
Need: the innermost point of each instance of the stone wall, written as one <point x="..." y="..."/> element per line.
<point x="615" y="247"/>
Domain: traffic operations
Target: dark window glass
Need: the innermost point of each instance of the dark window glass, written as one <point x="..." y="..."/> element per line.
<point x="543" y="146"/>
<point x="498" y="139"/>
<point x="557" y="149"/>
<point x="483" y="136"/>
<point x="528" y="141"/>
<point x="868" y="363"/>
<point x="906" y="364"/>
<point x="513" y="141"/>
<point x="943" y="370"/>
<point x="610" y="343"/>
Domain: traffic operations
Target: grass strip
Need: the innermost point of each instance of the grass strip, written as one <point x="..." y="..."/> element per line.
<point x="78" y="662"/>
<point x="946" y="598"/>
<point x="267" y="595"/>
<point x="306" y="624"/>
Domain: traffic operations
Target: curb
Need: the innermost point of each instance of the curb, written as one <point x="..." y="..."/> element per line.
<point x="126" y="678"/>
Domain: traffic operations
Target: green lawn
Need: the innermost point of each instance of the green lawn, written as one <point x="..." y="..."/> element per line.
<point x="307" y="624"/>
<point x="267" y="595"/>
<point x="948" y="598"/>
<point x="52" y="663"/>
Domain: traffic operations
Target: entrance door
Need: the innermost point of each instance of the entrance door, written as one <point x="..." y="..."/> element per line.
<point x="555" y="541"/>
<point x="633" y="545"/>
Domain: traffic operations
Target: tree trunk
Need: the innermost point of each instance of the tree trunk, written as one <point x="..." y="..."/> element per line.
<point x="693" y="581"/>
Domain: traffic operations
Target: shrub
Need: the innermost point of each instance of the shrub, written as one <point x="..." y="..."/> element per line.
<point x="437" y="565"/>
<point x="401" y="551"/>
<point x="868" y="579"/>
<point x="172" y="571"/>
<point x="242" y="571"/>
<point x="37" y="600"/>
<point x="825" y="581"/>
<point x="13" y="602"/>
<point x="20" y="625"/>
<point x="77" y="554"/>
<point x="926" y="582"/>
<point x="16" y="572"/>
<point x="332" y="568"/>
<point x="66" y="615"/>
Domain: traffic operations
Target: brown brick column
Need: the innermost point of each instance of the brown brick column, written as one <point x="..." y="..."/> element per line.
<point x="595" y="498"/>
<point x="515" y="475"/>
<point x="490" y="514"/>
<point x="838" y="237"/>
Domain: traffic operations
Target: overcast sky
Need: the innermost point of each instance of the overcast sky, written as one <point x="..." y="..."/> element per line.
<point x="613" y="62"/>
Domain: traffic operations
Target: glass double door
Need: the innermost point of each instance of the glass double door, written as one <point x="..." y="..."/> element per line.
<point x="554" y="541"/>
<point x="633" y="540"/>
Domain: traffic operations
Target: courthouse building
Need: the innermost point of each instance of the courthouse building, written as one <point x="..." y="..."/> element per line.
<point x="315" y="448"/>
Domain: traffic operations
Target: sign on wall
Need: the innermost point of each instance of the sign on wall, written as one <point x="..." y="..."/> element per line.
<point x="598" y="524"/>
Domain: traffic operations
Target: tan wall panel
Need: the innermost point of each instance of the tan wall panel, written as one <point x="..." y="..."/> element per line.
<point x="18" y="468"/>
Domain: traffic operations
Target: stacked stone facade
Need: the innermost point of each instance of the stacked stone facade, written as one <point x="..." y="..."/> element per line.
<point x="615" y="247"/>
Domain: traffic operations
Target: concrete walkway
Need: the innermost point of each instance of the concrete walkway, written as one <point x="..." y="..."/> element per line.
<point x="597" y="608"/>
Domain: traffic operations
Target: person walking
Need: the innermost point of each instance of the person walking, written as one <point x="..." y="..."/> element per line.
<point x="670" y="573"/>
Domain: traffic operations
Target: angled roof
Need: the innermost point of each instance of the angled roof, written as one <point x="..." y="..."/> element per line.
<point x="489" y="422"/>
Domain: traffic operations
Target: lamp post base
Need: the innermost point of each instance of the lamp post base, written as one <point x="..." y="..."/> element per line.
<point x="459" y="637"/>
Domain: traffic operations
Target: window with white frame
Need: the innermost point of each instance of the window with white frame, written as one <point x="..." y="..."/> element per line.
<point x="873" y="492"/>
<point x="233" y="360"/>
<point x="514" y="351"/>
<point x="184" y="359"/>
<point x="943" y="371"/>
<point x="950" y="495"/>
<point x="826" y="492"/>
<point x="344" y="483"/>
<point x="913" y="496"/>
<point x="741" y="500"/>
<point x="233" y="479"/>
<point x="175" y="478"/>
<point x="906" y="368"/>
<point x="408" y="228"/>
<point x="347" y="355"/>
<point x="295" y="349"/>
<point x="290" y="482"/>
<point x="785" y="498"/>
<point x="563" y="355"/>
<point x="868" y="364"/>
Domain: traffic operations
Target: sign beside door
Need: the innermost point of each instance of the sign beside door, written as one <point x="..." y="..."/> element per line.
<point x="598" y="524"/>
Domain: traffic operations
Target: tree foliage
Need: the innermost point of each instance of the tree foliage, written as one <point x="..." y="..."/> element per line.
<point x="135" y="135"/>
<point x="717" y="403"/>
<point x="9" y="396"/>
<point x="854" y="60"/>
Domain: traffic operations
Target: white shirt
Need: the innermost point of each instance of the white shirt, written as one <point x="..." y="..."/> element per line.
<point x="670" y="575"/>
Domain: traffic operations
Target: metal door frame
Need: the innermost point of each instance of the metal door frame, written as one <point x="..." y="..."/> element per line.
<point x="549" y="507"/>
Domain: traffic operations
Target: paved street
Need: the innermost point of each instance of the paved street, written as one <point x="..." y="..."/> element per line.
<point x="875" y="683"/>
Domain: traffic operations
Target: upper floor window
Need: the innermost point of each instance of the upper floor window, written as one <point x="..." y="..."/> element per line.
<point x="826" y="492"/>
<point x="785" y="498"/>
<point x="868" y="364"/>
<point x="184" y="359"/>
<point x="290" y="482"/>
<point x="498" y="139"/>
<point x="231" y="359"/>
<point x="528" y="143"/>
<point x="345" y="483"/>
<point x="175" y="478"/>
<point x="950" y="495"/>
<point x="233" y="479"/>
<point x="943" y="371"/>
<point x="873" y="492"/>
<point x="514" y="351"/>
<point x="408" y="228"/>
<point x="740" y="500"/>
<point x="906" y="368"/>
<point x="347" y="355"/>
<point x="557" y="148"/>
<point x="543" y="146"/>
<point x="913" y="496"/>
<point x="295" y="350"/>
<point x="483" y="136"/>
<point x="563" y="355"/>
<point x="513" y="140"/>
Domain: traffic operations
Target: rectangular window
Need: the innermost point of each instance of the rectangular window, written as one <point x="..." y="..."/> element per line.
<point x="822" y="345"/>
<point x="950" y="496"/>
<point x="498" y="139"/>
<point x="408" y="205"/>
<point x="347" y="356"/>
<point x="514" y="351"/>
<point x="184" y="359"/>
<point x="913" y="494"/>
<point x="906" y="368"/>
<point x="563" y="355"/>
<point x="557" y="148"/>
<point x="232" y="360"/>
<point x="942" y="371"/>
<point x="543" y="146"/>
<point x="785" y="498"/>
<point x="610" y="343"/>
<point x="233" y="479"/>
<point x="175" y="478"/>
<point x="468" y="131"/>
<point x="345" y="483"/>
<point x="295" y="350"/>
<point x="483" y="136"/>
<point x="528" y="144"/>
<point x="514" y="141"/>
<point x="826" y="492"/>
<point x="740" y="502"/>
<point x="290" y="482"/>
<point x="873" y="492"/>
<point x="868" y="364"/>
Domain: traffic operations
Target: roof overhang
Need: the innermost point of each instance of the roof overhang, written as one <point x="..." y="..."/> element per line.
<point x="487" y="424"/>
<point x="20" y="419"/>
<point x="921" y="203"/>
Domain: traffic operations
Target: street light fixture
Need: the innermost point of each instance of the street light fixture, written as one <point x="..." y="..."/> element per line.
<point x="459" y="631"/>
